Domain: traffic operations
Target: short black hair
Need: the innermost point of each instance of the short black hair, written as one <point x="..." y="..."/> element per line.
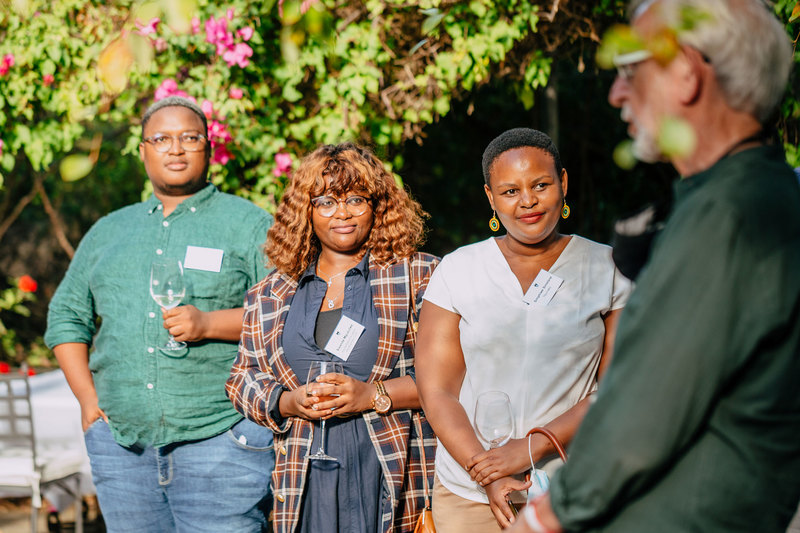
<point x="174" y="101"/>
<point x="519" y="138"/>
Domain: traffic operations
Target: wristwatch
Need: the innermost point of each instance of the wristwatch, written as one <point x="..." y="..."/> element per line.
<point x="382" y="403"/>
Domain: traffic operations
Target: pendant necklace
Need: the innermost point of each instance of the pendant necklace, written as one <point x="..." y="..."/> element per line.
<point x="331" y="301"/>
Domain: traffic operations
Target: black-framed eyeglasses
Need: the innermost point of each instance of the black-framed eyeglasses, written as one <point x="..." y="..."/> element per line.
<point x="191" y="142"/>
<point x="627" y="64"/>
<point x="326" y="206"/>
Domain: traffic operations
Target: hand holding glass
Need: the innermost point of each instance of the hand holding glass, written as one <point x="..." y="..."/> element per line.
<point x="319" y="368"/>
<point x="494" y="420"/>
<point x="167" y="289"/>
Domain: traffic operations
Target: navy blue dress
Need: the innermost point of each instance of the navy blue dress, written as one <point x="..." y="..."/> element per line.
<point x="344" y="495"/>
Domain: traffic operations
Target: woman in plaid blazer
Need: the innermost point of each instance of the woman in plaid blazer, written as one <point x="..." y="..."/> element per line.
<point x="344" y="246"/>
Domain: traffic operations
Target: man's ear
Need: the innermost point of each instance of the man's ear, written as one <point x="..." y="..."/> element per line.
<point x="692" y="69"/>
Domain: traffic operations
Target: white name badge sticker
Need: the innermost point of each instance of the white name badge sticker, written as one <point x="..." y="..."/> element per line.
<point x="344" y="338"/>
<point x="543" y="288"/>
<point x="200" y="258"/>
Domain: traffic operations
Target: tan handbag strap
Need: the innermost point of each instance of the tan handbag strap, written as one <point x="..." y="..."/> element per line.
<point x="424" y="461"/>
<point x="553" y="439"/>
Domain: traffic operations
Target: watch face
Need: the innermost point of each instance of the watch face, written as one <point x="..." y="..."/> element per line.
<point x="382" y="403"/>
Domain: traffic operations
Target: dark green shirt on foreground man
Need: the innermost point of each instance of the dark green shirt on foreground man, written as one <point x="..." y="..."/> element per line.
<point x="699" y="414"/>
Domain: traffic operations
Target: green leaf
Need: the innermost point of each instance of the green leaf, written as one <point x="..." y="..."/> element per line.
<point x="623" y="155"/>
<point x="74" y="167"/>
<point x="795" y="12"/>
<point x="430" y="23"/>
<point x="676" y="138"/>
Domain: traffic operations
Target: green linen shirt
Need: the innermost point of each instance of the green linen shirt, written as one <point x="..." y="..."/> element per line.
<point x="149" y="397"/>
<point x="696" y="426"/>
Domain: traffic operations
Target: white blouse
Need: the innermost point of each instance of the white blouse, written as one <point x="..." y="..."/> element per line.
<point x="545" y="357"/>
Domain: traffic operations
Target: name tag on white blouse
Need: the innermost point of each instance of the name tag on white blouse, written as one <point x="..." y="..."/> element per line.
<point x="200" y="258"/>
<point x="344" y="338"/>
<point x="543" y="288"/>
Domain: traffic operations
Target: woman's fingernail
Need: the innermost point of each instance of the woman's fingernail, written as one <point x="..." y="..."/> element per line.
<point x="314" y="407"/>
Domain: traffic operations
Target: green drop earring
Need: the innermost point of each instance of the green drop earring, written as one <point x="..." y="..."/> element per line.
<point x="494" y="224"/>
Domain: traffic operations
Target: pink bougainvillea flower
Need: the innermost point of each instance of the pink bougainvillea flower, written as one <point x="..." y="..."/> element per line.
<point x="27" y="284"/>
<point x="5" y="368"/>
<point x="235" y="93"/>
<point x="195" y="25"/>
<point x="239" y="55"/>
<point x="245" y="33"/>
<point x="283" y="164"/>
<point x="160" y="44"/>
<point x="169" y="87"/>
<point x="208" y="108"/>
<point x="217" y="33"/>
<point x="48" y="80"/>
<point x="6" y="64"/>
<point x="218" y="133"/>
<point x="221" y="155"/>
<point x="150" y="27"/>
<point x="229" y="13"/>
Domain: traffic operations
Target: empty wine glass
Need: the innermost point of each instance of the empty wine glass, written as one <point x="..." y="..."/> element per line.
<point x="494" y="419"/>
<point x="318" y="368"/>
<point x="168" y="289"/>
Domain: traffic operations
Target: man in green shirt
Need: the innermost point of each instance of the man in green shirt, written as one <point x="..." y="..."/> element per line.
<point x="696" y="425"/>
<point x="168" y="450"/>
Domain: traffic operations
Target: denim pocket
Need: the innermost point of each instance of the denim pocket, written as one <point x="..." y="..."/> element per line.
<point x="93" y="425"/>
<point x="248" y="435"/>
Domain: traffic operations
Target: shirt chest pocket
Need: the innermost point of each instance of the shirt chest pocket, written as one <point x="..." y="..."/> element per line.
<point x="225" y="289"/>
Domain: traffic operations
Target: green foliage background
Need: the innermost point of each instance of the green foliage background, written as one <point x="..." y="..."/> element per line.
<point x="426" y="84"/>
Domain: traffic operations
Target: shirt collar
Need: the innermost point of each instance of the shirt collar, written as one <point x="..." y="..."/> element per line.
<point x="362" y="268"/>
<point x="194" y="202"/>
<point x="684" y="188"/>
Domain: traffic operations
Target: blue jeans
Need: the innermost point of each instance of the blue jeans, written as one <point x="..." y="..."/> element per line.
<point x="216" y="485"/>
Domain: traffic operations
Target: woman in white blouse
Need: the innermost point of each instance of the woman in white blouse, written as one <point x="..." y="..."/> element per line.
<point x="531" y="313"/>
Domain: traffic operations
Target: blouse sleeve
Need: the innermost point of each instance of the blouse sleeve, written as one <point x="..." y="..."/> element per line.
<point x="621" y="290"/>
<point x="438" y="290"/>
<point x="252" y="387"/>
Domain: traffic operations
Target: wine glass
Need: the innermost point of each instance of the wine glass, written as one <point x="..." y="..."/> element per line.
<point x="494" y="420"/>
<point x="167" y="289"/>
<point x="317" y="369"/>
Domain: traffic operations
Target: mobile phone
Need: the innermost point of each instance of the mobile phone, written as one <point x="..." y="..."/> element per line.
<point x="513" y="508"/>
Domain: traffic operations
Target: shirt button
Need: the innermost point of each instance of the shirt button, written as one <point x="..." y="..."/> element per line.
<point x="159" y="251"/>
<point x="149" y="385"/>
<point x="152" y="314"/>
<point x="192" y="209"/>
<point x="280" y="498"/>
<point x="165" y="223"/>
<point x="283" y="450"/>
<point x="160" y="207"/>
<point x="150" y="350"/>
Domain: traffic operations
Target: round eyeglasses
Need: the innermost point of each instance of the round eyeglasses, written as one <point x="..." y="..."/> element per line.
<point x="326" y="206"/>
<point x="191" y="142"/>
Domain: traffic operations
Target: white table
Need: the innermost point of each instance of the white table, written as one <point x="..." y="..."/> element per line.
<point x="57" y="427"/>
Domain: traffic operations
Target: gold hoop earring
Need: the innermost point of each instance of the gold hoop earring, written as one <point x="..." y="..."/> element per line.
<point x="494" y="224"/>
<point x="565" y="210"/>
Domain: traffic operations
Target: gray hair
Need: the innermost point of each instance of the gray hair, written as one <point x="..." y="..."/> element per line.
<point x="743" y="40"/>
<point x="174" y="101"/>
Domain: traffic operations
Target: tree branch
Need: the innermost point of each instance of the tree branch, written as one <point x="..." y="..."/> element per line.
<point x="55" y="220"/>
<point x="17" y="211"/>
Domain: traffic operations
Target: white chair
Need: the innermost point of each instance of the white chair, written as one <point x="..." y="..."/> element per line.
<point x="23" y="467"/>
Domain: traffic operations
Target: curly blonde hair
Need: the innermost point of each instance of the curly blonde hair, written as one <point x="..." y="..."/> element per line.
<point x="397" y="229"/>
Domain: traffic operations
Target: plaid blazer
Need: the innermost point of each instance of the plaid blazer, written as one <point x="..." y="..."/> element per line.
<point x="261" y="372"/>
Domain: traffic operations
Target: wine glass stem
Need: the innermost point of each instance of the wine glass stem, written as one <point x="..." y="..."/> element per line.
<point x="322" y="437"/>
